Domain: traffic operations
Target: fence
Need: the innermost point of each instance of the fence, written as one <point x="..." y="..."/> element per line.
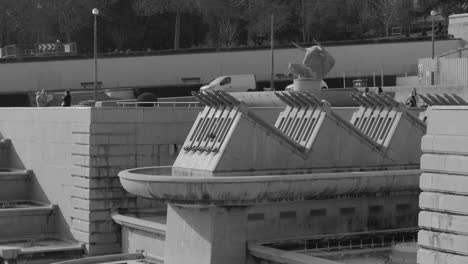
<point x="35" y="50"/>
<point x="373" y="79"/>
<point x="160" y="104"/>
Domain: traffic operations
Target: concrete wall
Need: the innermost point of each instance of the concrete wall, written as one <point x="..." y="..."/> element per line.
<point x="355" y="60"/>
<point x="458" y="25"/>
<point x="443" y="238"/>
<point x="331" y="216"/>
<point x="76" y="154"/>
<point x="41" y="140"/>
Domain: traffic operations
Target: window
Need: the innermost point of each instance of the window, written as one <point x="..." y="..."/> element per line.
<point x="287" y="214"/>
<point x="347" y="211"/>
<point x="318" y="212"/>
<point x="255" y="217"/>
<point x="375" y="209"/>
<point x="225" y="81"/>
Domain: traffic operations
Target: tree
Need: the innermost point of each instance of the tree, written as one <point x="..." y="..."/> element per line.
<point x="384" y="12"/>
<point x="152" y="7"/>
<point x="72" y="15"/>
<point x="258" y="15"/>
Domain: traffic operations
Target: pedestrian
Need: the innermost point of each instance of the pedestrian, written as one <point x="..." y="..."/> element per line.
<point x="379" y="90"/>
<point x="412" y="100"/>
<point x="41" y="98"/>
<point x="66" y="100"/>
<point x="366" y="91"/>
<point x="38" y="99"/>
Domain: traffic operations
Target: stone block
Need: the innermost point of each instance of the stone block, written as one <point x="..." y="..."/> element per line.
<point x="444" y="222"/>
<point x="94" y="227"/>
<point x="102" y="249"/>
<point x="86" y="150"/>
<point x="112" y="128"/>
<point x="91" y="216"/>
<point x="444" y="144"/>
<point x="100" y="194"/>
<point x="96" y="183"/>
<point x="145" y="150"/>
<point x="121" y="139"/>
<point x="166" y="115"/>
<point x="455" y="184"/>
<point x="117" y="150"/>
<point x="96" y="172"/>
<point x="428" y="256"/>
<point x="104" y="161"/>
<point x="444" y="202"/>
<point x="145" y="161"/>
<point x="117" y="115"/>
<point x="444" y="163"/>
<point x="442" y="121"/>
<point x="443" y="241"/>
<point x="100" y="238"/>
<point x="99" y="205"/>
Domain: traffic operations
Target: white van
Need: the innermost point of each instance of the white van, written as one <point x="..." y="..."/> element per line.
<point x="232" y="83"/>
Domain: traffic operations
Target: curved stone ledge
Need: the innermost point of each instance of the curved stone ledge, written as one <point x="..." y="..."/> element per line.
<point x="157" y="183"/>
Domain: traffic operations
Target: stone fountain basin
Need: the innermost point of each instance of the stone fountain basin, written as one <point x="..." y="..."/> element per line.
<point x="158" y="183"/>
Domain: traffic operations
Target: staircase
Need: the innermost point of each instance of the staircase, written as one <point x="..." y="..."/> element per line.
<point x="27" y="227"/>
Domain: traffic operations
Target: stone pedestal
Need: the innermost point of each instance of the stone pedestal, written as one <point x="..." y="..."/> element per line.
<point x="306" y="84"/>
<point x="205" y="235"/>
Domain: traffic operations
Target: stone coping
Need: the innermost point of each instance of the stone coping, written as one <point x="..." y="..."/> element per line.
<point x="156" y="183"/>
<point x="28" y="208"/>
<point x="7" y="174"/>
<point x="458" y="16"/>
<point x="12" y="248"/>
<point x="139" y="223"/>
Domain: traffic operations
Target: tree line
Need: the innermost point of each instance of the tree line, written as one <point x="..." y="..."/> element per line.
<point x="173" y="24"/>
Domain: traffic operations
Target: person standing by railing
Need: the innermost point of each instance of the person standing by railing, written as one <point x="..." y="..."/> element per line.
<point x="66" y="99"/>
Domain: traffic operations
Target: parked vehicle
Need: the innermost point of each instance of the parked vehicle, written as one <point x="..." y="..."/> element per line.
<point x="232" y="83"/>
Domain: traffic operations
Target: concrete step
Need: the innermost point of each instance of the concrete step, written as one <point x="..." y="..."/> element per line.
<point x="25" y="218"/>
<point x="39" y="250"/>
<point x="14" y="184"/>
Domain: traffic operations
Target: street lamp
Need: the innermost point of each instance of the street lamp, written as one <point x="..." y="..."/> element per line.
<point x="95" y="13"/>
<point x="433" y="14"/>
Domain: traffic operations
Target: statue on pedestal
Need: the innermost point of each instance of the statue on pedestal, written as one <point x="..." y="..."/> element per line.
<point x="317" y="63"/>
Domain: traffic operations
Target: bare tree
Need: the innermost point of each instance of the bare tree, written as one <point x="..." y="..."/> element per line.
<point x="151" y="7"/>
<point x="384" y="12"/>
<point x="259" y="18"/>
<point x="72" y="15"/>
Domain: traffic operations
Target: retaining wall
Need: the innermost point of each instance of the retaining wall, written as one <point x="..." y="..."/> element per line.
<point x="443" y="238"/>
<point x="161" y="70"/>
<point x="76" y="154"/>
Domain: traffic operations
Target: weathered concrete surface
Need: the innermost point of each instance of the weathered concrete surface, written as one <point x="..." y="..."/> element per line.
<point x="15" y="184"/>
<point x="306" y="135"/>
<point x="444" y="217"/>
<point x="157" y="183"/>
<point x="144" y="232"/>
<point x="428" y="256"/>
<point x="131" y="71"/>
<point x="206" y="235"/>
<point x="35" y="220"/>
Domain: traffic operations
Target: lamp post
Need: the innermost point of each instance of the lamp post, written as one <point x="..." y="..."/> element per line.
<point x="95" y="13"/>
<point x="433" y="14"/>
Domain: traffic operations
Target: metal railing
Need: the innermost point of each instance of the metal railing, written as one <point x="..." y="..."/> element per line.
<point x="161" y="104"/>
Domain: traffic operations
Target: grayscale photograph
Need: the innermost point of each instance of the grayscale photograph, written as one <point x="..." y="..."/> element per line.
<point x="233" y="132"/>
